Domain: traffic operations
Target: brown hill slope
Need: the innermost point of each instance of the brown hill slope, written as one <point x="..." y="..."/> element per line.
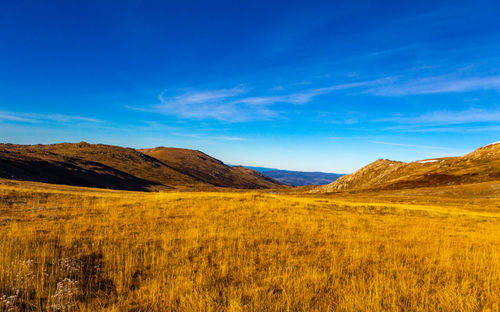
<point x="210" y="170"/>
<point x="482" y="165"/>
<point x="96" y="165"/>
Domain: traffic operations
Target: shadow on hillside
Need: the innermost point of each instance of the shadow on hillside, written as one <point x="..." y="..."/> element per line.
<point x="56" y="172"/>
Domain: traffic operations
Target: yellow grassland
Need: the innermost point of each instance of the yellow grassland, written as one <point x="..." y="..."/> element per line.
<point x="69" y="248"/>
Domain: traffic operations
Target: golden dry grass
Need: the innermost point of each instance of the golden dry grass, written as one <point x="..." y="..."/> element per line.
<point x="71" y="248"/>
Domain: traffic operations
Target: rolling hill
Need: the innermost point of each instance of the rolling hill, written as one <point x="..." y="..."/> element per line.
<point x="482" y="165"/>
<point x="210" y="170"/>
<point x="114" y="167"/>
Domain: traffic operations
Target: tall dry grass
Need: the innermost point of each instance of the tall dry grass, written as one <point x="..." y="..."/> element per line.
<point x="87" y="250"/>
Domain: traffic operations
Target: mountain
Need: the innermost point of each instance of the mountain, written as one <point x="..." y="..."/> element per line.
<point x="482" y="165"/>
<point x="298" y="178"/>
<point x="259" y="169"/>
<point x="210" y="170"/>
<point x="114" y="167"/>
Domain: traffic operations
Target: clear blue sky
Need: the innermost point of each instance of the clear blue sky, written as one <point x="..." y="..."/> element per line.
<point x="304" y="85"/>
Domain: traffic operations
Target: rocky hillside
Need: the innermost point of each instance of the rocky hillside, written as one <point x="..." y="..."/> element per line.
<point x="482" y="165"/>
<point x="106" y="166"/>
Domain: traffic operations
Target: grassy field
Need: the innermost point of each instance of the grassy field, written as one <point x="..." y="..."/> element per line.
<point x="69" y="248"/>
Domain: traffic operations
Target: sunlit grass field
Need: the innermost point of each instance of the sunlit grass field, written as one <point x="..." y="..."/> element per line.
<point x="69" y="248"/>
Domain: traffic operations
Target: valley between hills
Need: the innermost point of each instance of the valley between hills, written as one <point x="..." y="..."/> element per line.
<point x="87" y="227"/>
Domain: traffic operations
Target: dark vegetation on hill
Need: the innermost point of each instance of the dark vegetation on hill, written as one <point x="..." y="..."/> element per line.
<point x="114" y="167"/>
<point x="482" y="165"/>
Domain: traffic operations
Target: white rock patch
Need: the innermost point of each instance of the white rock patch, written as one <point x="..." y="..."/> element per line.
<point x="427" y="161"/>
<point x="492" y="143"/>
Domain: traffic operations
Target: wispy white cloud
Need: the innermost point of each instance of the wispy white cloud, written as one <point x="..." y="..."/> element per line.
<point x="407" y="145"/>
<point x="228" y="138"/>
<point x="448" y="117"/>
<point x="454" y="129"/>
<point x="466" y="121"/>
<point x="62" y="118"/>
<point x="305" y="96"/>
<point x="187" y="135"/>
<point x="214" y="104"/>
<point x="348" y="121"/>
<point x="39" y="118"/>
<point x="436" y="84"/>
<point x="429" y="150"/>
<point x="210" y="137"/>
<point x="12" y="117"/>
<point x="240" y="104"/>
<point x="156" y="126"/>
<point x="277" y="88"/>
<point x="203" y="96"/>
<point x="236" y="105"/>
<point x="195" y="133"/>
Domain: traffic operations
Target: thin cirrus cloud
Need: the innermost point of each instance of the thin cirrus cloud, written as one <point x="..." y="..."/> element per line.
<point x="448" y="117"/>
<point x="407" y="145"/>
<point x="437" y="84"/>
<point x="239" y="105"/>
<point x="234" y="105"/>
<point x="40" y="118"/>
<point x="444" y="129"/>
<point x="212" y="104"/>
<point x="437" y="151"/>
<point x="4" y="116"/>
<point x="209" y="137"/>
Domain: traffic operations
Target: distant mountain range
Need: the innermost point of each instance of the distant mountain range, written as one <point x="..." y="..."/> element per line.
<point x="115" y="167"/>
<point x="482" y="165"/>
<point x="298" y="178"/>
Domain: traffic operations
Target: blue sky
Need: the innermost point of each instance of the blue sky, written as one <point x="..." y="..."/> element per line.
<point x="301" y="85"/>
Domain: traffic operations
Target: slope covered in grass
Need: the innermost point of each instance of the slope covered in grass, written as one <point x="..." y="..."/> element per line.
<point x="210" y="170"/>
<point x="482" y="165"/>
<point x="115" y="167"/>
